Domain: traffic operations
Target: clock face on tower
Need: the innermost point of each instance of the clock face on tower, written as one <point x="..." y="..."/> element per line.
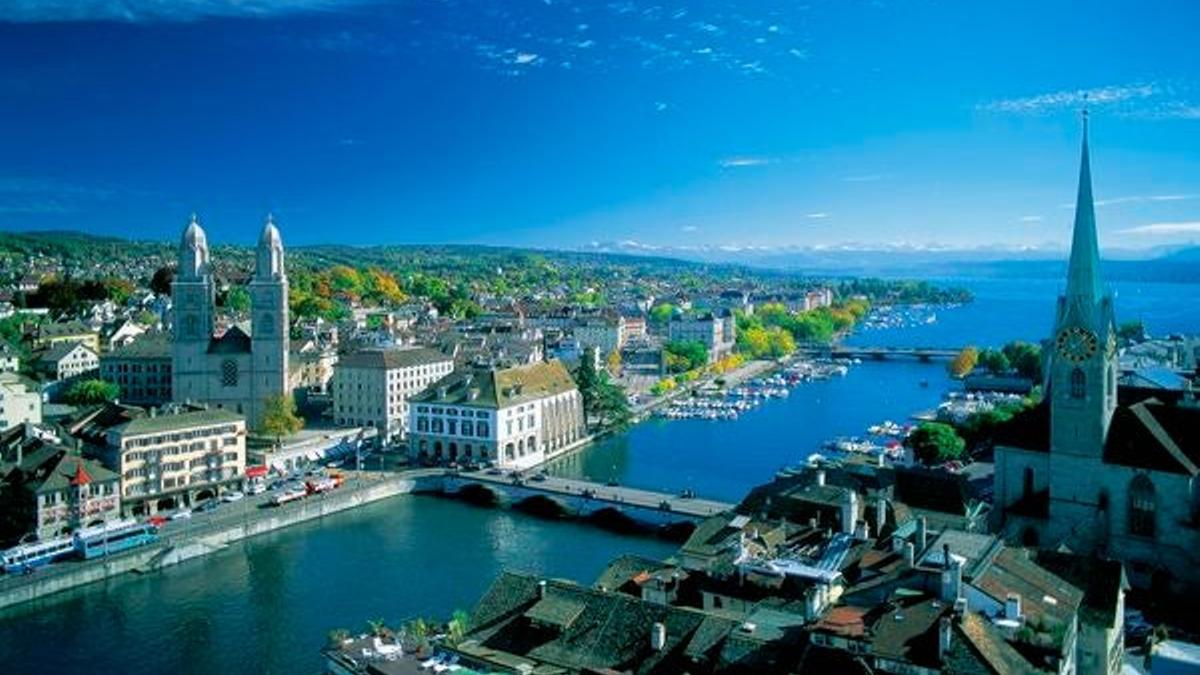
<point x="1076" y="344"/>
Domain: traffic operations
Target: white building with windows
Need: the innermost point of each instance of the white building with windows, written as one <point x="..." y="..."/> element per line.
<point x="18" y="405"/>
<point x="513" y="417"/>
<point x="371" y="388"/>
<point x="171" y="459"/>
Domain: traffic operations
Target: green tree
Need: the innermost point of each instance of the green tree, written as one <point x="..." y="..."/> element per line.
<point x="613" y="363"/>
<point x="91" y="392"/>
<point x="1025" y="358"/>
<point x="280" y="417"/>
<point x="934" y="443"/>
<point x="994" y="361"/>
<point x="685" y="355"/>
<point x="237" y="300"/>
<point x="456" y="629"/>
<point x="160" y="283"/>
<point x="1132" y="331"/>
<point x="660" y="315"/>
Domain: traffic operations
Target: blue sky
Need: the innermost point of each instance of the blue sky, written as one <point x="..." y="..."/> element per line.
<point x="558" y="123"/>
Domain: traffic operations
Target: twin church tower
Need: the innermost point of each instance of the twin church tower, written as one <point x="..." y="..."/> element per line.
<point x="233" y="371"/>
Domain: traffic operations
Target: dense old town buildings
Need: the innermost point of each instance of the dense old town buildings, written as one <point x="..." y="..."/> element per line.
<point x="1097" y="467"/>
<point x="514" y="417"/>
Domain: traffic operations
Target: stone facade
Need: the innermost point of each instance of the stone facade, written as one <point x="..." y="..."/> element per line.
<point x="234" y="370"/>
<point x="371" y="388"/>
<point x="513" y="417"/>
<point x="1097" y="469"/>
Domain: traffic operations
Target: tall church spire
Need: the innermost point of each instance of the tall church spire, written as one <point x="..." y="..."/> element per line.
<point x="1083" y="272"/>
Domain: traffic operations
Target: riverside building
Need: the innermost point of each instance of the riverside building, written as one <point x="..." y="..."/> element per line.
<point x="514" y="417"/>
<point x="371" y="388"/>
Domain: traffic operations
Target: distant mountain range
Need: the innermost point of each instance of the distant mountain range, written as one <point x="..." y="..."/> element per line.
<point x="1163" y="264"/>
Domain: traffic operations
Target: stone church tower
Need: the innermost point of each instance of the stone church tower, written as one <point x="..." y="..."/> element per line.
<point x="1083" y="363"/>
<point x="1082" y="386"/>
<point x="234" y="370"/>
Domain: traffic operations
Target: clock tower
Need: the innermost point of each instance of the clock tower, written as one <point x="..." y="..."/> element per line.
<point x="1083" y="362"/>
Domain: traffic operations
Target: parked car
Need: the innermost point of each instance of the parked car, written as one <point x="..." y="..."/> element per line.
<point x="210" y="505"/>
<point x="256" y="489"/>
<point x="233" y="496"/>
<point x="182" y="514"/>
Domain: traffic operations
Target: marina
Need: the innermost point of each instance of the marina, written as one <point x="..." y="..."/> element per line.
<point x="713" y="403"/>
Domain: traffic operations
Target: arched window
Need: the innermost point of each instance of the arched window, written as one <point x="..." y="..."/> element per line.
<point x="1141" y="506"/>
<point x="1078" y="383"/>
<point x="229" y="373"/>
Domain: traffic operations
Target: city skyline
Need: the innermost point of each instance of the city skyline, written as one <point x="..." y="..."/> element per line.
<point x="559" y="124"/>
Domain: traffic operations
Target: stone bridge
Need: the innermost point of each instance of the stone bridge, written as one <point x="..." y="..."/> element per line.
<point x="583" y="498"/>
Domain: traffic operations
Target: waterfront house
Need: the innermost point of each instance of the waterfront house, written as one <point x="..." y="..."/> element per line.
<point x="180" y="456"/>
<point x="515" y="417"/>
<point x="717" y="333"/>
<point x="372" y="387"/>
<point x="50" y="490"/>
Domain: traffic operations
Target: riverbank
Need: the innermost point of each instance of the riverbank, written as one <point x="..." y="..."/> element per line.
<point x="189" y="541"/>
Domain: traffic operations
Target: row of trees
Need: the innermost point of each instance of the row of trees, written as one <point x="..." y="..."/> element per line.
<point x="1020" y="358"/>
<point x="767" y="331"/>
<point x="681" y="356"/>
<point x="66" y="296"/>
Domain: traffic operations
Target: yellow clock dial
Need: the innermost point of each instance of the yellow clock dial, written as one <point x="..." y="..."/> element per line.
<point x="1076" y="344"/>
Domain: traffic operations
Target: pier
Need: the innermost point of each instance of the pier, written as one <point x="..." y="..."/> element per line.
<point x="586" y="498"/>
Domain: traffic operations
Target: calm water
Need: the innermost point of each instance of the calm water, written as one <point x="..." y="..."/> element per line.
<point x="1005" y="310"/>
<point x="724" y="459"/>
<point x="266" y="605"/>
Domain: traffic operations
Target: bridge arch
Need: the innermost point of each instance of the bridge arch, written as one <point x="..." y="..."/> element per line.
<point x="544" y="506"/>
<point x="479" y="493"/>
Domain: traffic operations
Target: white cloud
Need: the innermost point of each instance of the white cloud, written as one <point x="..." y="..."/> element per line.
<point x="660" y="106"/>
<point x="1031" y="219"/>
<point x="1164" y="229"/>
<point x="1135" y="199"/>
<point x="524" y="58"/>
<point x="739" y="162"/>
<point x="816" y="216"/>
<point x="864" y="178"/>
<point x="1074" y="98"/>
<point x="688" y="228"/>
<point x="31" y="11"/>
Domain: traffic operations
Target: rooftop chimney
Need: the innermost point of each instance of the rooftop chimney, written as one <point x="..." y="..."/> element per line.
<point x="658" y="636"/>
<point x="921" y="534"/>
<point x="1012" y="607"/>
<point x="542" y="588"/>
<point x="821" y="477"/>
<point x="943" y="636"/>
<point x="880" y="514"/>
<point x="951" y="577"/>
<point x="908" y="553"/>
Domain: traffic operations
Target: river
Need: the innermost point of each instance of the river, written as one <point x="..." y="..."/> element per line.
<point x="266" y="605"/>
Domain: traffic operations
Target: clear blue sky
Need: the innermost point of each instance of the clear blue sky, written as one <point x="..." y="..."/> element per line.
<point x="557" y="123"/>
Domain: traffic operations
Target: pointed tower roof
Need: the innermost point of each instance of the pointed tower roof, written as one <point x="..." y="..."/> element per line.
<point x="193" y="235"/>
<point x="270" y="233"/>
<point x="1083" y="271"/>
<point x="81" y="476"/>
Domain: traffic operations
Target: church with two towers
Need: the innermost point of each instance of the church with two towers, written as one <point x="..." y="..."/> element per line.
<point x="234" y="370"/>
<point x="1096" y="467"/>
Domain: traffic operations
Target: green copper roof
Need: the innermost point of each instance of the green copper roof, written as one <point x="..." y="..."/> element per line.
<point x="177" y="421"/>
<point x="1083" y="273"/>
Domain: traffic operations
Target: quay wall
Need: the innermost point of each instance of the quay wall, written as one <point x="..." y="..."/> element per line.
<point x="173" y="549"/>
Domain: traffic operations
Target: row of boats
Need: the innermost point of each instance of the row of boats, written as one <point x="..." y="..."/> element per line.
<point x="716" y="405"/>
